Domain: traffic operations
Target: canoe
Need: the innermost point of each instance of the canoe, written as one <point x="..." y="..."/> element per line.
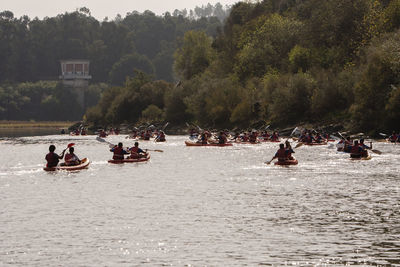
<point x="115" y="161"/>
<point x="188" y="143"/>
<point x="362" y="158"/>
<point x="287" y="162"/>
<point x="84" y="164"/>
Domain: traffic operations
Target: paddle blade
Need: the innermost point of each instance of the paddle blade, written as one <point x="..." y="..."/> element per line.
<point x="376" y="151"/>
<point x="158" y="150"/>
<point x="382" y="134"/>
<point x="70" y="145"/>
<point x="299" y="145"/>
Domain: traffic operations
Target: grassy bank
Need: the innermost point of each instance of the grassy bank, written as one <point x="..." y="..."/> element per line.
<point x="35" y="124"/>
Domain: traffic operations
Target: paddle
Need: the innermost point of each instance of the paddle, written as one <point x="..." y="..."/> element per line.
<point x="269" y="162"/>
<point x="155" y="150"/>
<point x="299" y="145"/>
<point x="98" y="138"/>
<point x="376" y="151"/>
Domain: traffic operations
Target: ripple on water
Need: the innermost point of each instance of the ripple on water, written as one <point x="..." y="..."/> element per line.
<point x="198" y="206"/>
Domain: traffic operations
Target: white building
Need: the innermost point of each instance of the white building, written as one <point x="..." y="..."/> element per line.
<point x="75" y="74"/>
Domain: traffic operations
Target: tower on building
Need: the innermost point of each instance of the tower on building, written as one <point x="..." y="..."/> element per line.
<point x="75" y="74"/>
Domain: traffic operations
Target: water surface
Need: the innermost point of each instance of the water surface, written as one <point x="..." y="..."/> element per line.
<point x="198" y="206"/>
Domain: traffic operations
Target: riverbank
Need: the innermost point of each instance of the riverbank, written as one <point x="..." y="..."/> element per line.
<point x="35" y="124"/>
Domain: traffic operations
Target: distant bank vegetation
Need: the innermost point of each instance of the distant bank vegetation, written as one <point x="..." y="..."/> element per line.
<point x="283" y="62"/>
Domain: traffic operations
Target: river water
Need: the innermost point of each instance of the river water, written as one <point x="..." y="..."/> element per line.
<point x="198" y="206"/>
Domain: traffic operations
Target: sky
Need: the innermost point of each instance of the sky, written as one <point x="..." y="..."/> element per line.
<point x="100" y="8"/>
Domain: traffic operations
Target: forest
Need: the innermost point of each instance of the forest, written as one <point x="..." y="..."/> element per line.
<point x="283" y="62"/>
<point x="31" y="50"/>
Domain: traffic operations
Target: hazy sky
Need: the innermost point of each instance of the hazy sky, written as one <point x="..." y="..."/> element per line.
<point x="99" y="8"/>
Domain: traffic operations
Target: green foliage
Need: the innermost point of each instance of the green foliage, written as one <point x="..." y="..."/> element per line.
<point x="126" y="66"/>
<point x="392" y="15"/>
<point x="152" y="113"/>
<point x="299" y="59"/>
<point x="374" y="89"/>
<point x="194" y="56"/>
<point x="43" y="100"/>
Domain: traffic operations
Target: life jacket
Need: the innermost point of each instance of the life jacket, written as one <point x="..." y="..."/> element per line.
<point x="356" y="149"/>
<point x="118" y="153"/>
<point x="281" y="154"/>
<point x="393" y="138"/>
<point x="70" y="159"/>
<point x="274" y="137"/>
<point x="289" y="152"/>
<point x="52" y="159"/>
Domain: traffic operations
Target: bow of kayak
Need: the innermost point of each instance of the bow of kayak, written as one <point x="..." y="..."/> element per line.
<point x="84" y="164"/>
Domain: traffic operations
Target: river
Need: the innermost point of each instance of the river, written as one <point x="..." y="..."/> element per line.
<point x="198" y="206"/>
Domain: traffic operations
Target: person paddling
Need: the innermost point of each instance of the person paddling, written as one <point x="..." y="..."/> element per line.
<point x="356" y="150"/>
<point x="222" y="139"/>
<point x="119" y="152"/>
<point x="136" y="152"/>
<point x="160" y="137"/>
<point x="53" y="158"/>
<point x="289" y="150"/>
<point x="281" y="154"/>
<point x="71" y="159"/>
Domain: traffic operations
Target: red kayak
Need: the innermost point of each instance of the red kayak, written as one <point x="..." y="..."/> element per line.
<point x="287" y="162"/>
<point x="84" y="164"/>
<point x="188" y="143"/>
<point x="315" y="144"/>
<point x="128" y="160"/>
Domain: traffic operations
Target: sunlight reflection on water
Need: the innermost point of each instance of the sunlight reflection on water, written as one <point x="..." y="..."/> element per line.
<point x="198" y="206"/>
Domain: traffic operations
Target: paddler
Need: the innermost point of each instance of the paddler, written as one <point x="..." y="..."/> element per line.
<point x="275" y="137"/>
<point x="160" y="137"/>
<point x="393" y="138"/>
<point x="71" y="159"/>
<point x="356" y="150"/>
<point x="281" y="154"/>
<point x="365" y="147"/>
<point x="289" y="150"/>
<point x="253" y="137"/>
<point x="137" y="152"/>
<point x="53" y="158"/>
<point x="119" y="152"/>
<point x="222" y="139"/>
<point x="318" y="138"/>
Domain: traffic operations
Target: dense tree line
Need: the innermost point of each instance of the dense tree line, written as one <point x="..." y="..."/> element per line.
<point x="45" y="100"/>
<point x="290" y="62"/>
<point x="31" y="50"/>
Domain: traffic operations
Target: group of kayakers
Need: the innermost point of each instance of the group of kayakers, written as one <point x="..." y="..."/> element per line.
<point x="394" y="138"/>
<point x="146" y="135"/>
<point x="134" y="152"/>
<point x="53" y="158"/>
<point x="224" y="137"/>
<point x="356" y="148"/>
<point x="71" y="159"/>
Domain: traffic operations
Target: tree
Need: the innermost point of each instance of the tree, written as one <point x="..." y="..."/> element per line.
<point x="194" y="56"/>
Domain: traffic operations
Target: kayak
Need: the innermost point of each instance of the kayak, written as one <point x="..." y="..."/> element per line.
<point x="362" y="158"/>
<point x="315" y="144"/>
<point x="127" y="160"/>
<point x="188" y="143"/>
<point x="248" y="143"/>
<point x="287" y="162"/>
<point x="84" y="164"/>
